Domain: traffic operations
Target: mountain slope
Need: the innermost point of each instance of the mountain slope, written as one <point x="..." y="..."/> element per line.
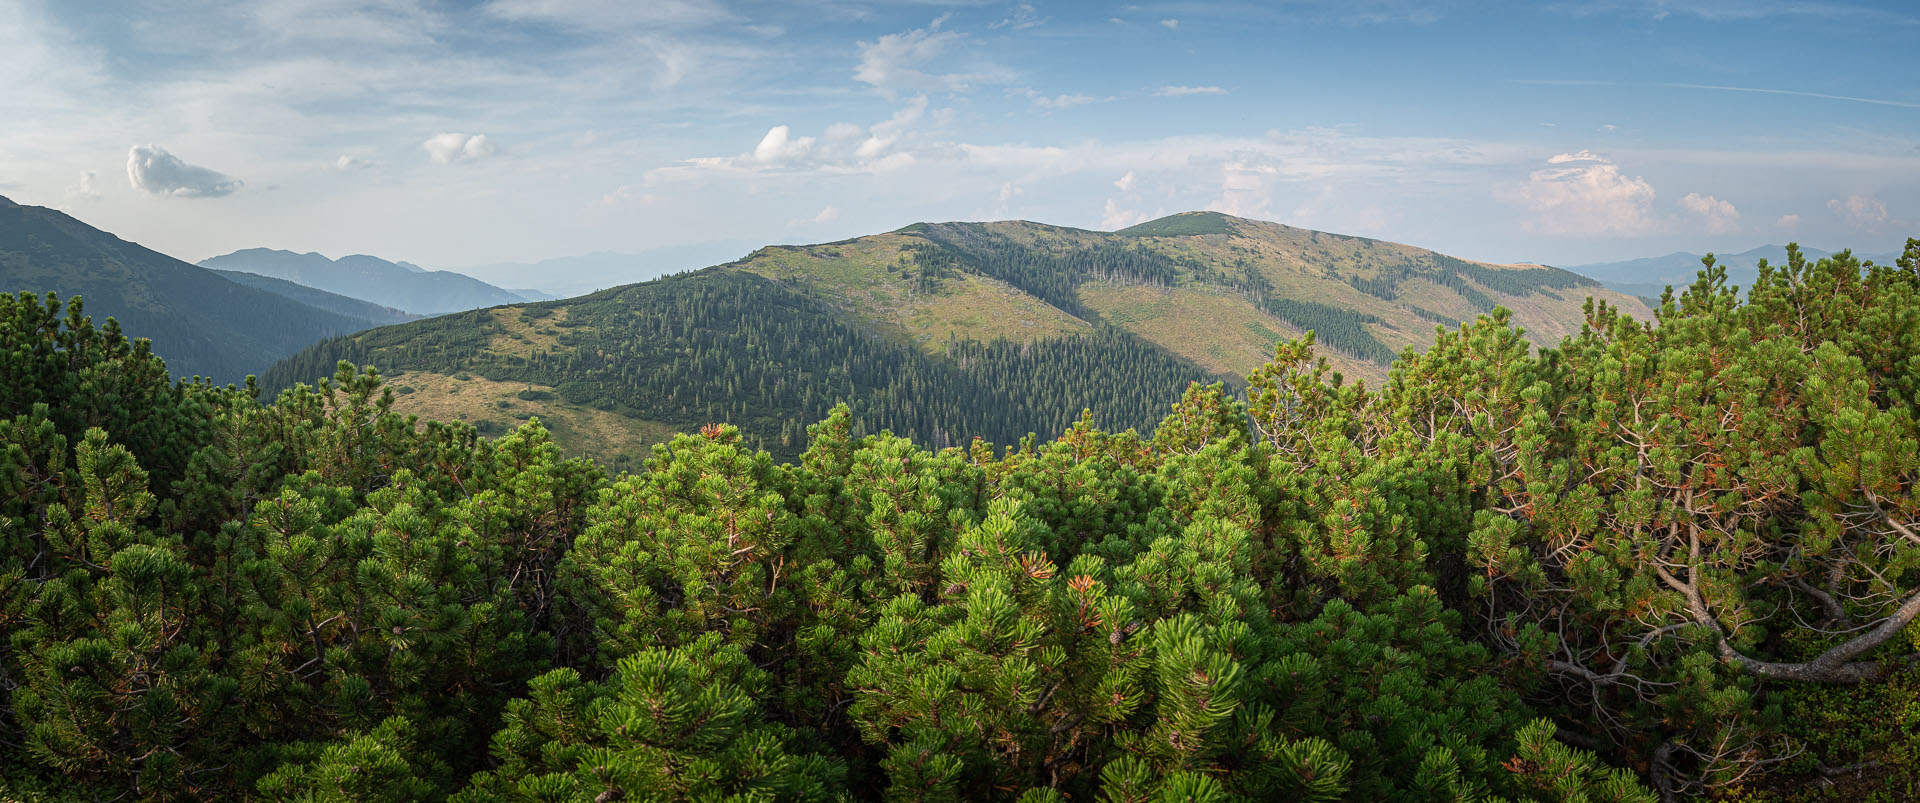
<point x="953" y="330"/>
<point x="200" y="323"/>
<point x="372" y="314"/>
<point x="728" y="345"/>
<point x="389" y="284"/>
<point x="1215" y="289"/>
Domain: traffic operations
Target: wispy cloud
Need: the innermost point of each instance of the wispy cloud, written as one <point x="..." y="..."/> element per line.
<point x="1040" y="100"/>
<point x="595" y="15"/>
<point x="1718" y="88"/>
<point x="1182" y="91"/>
<point x="1020" y="18"/>
<point x="892" y="63"/>
<point x="1725" y="10"/>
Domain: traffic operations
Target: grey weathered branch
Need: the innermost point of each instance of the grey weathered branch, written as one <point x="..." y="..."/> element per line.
<point x="1836" y="665"/>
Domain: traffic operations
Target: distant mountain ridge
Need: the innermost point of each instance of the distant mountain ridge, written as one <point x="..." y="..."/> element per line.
<point x="200" y="322"/>
<point x="1648" y="277"/>
<point x="373" y="314"/>
<point x="562" y="277"/>
<point x="946" y="331"/>
<point x="400" y="285"/>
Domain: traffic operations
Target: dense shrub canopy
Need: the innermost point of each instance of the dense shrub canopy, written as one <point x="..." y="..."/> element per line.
<point x="1603" y="572"/>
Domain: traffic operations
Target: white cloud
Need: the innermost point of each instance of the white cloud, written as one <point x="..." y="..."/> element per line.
<point x="778" y="147"/>
<point x="1787" y="222"/>
<point x="348" y="163"/>
<point x="826" y="215"/>
<point x="1182" y="91"/>
<point x="1717" y="216"/>
<point x="151" y="169"/>
<point x="1170" y="24"/>
<point x="1113" y="217"/>
<point x="83" y="191"/>
<point x="453" y="147"/>
<point x="1860" y="211"/>
<point x="892" y="62"/>
<point x="1584" y="194"/>
<point x="844" y="147"/>
<point x="1126" y="182"/>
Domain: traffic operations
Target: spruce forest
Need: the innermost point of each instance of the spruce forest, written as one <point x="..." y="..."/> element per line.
<point x="1662" y="559"/>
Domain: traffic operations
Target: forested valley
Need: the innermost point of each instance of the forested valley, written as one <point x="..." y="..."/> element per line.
<point x="1664" y="559"/>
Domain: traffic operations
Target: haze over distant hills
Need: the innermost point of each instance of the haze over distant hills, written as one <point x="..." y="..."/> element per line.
<point x="200" y="322"/>
<point x="373" y="314"/>
<point x="1648" y="277"/>
<point x="399" y="285"/>
<point x="578" y="275"/>
<point x="945" y="331"/>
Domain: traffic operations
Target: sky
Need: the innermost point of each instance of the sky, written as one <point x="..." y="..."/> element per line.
<point x="459" y="133"/>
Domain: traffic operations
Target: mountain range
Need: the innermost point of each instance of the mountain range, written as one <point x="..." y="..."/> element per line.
<point x="945" y="331"/>
<point x="1648" y="277"/>
<point x="399" y="285"/>
<point x="201" y="322"/>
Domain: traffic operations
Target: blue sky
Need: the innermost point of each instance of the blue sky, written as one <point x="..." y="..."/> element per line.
<point x="452" y="133"/>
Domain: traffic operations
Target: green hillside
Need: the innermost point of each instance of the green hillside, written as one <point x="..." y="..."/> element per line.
<point x="948" y="331"/>
<point x="730" y="346"/>
<point x="200" y="322"/>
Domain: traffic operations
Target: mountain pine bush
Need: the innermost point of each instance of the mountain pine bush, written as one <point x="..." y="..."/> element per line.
<point x="1668" y="558"/>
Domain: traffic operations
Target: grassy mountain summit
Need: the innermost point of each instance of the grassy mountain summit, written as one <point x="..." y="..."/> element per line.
<point x="947" y="331"/>
<point x="202" y="323"/>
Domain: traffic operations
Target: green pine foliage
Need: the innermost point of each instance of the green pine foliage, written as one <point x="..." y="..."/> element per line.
<point x="1666" y="559"/>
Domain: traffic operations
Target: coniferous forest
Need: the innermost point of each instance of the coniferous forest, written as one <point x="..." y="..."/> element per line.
<point x="1665" y="559"/>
